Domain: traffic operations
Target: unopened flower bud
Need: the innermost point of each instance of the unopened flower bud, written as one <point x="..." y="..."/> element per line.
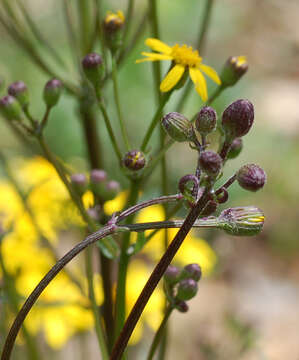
<point x="171" y="274"/>
<point x="206" y="120"/>
<point x="235" y="148"/>
<point x="112" y="26"/>
<point x="19" y="90"/>
<point x="242" y="221"/>
<point x="187" y="289"/>
<point x="182" y="306"/>
<point x="178" y="127"/>
<point x="210" y="208"/>
<point x="92" y="65"/>
<point x="98" y="181"/>
<point x="234" y="68"/>
<point x="94" y="212"/>
<point x="52" y="92"/>
<point x="79" y="182"/>
<point x="210" y="162"/>
<point x="237" y="119"/>
<point x="251" y="177"/>
<point x="134" y="160"/>
<point x="192" y="271"/>
<point x="112" y="189"/>
<point x="10" y="108"/>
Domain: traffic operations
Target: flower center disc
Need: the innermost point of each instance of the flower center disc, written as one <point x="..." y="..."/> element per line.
<point x="185" y="55"/>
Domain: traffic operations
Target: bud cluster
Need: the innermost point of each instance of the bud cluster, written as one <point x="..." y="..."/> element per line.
<point x="181" y="285"/>
<point x="98" y="183"/>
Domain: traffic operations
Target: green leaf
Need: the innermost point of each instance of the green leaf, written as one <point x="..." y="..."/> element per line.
<point x="138" y="245"/>
<point x="109" y="247"/>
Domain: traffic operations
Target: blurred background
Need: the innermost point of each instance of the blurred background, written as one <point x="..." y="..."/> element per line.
<point x="248" y="308"/>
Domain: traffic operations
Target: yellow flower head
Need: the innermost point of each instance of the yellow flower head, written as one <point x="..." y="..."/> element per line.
<point x="184" y="57"/>
<point x="117" y="19"/>
<point x="239" y="61"/>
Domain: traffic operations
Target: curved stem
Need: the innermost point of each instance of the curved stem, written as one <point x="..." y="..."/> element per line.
<point x="159" y="334"/>
<point x="10" y="340"/>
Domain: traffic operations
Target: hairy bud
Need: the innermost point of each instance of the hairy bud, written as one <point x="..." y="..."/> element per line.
<point x="92" y="65"/>
<point x="187" y="289"/>
<point x="79" y="182"/>
<point x="134" y="160"/>
<point x="112" y="189"/>
<point x="19" y="90"/>
<point x="242" y="221"/>
<point x="178" y="127"/>
<point x="112" y="29"/>
<point x="210" y="162"/>
<point x="235" y="148"/>
<point x="10" y="108"/>
<point x="98" y="179"/>
<point x="251" y="177"/>
<point x="171" y="274"/>
<point x="52" y="92"/>
<point x="234" y="68"/>
<point x="192" y="271"/>
<point x="206" y="120"/>
<point x="237" y="119"/>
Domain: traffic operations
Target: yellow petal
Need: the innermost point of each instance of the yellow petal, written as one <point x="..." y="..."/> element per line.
<point x="153" y="57"/>
<point x="200" y="83"/>
<point x="172" y="78"/>
<point x="158" y="45"/>
<point x="211" y="73"/>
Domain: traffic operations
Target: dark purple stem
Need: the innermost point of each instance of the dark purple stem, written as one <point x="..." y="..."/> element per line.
<point x="156" y="276"/>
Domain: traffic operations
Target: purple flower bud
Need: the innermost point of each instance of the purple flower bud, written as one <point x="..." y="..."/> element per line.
<point x="112" y="189"/>
<point x="192" y="271"/>
<point x="134" y="160"/>
<point x="210" y="162"/>
<point x="181" y="306"/>
<point x="178" y="127"/>
<point x="10" y="108"/>
<point x="237" y="119"/>
<point x="79" y="182"/>
<point x="187" y="289"/>
<point x="171" y="274"/>
<point x="206" y="120"/>
<point x="98" y="176"/>
<point x="92" y="65"/>
<point x="19" y="90"/>
<point x="52" y="92"/>
<point x="251" y="177"/>
<point x="94" y="212"/>
<point x="235" y="148"/>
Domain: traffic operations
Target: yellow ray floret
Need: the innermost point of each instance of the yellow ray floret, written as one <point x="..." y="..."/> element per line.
<point x="183" y="58"/>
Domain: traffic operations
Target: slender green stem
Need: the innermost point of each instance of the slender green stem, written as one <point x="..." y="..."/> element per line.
<point x="204" y="25"/>
<point x="154" y="121"/>
<point x="215" y="95"/>
<point x="120" y="303"/>
<point x="84" y="19"/>
<point x="117" y="103"/>
<point x="95" y="309"/>
<point x="109" y="129"/>
<point x="159" y="334"/>
<point x="129" y="15"/>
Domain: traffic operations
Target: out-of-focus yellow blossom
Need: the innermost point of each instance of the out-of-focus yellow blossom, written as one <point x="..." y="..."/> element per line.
<point x="118" y="18"/>
<point x="62" y="309"/>
<point x="184" y="58"/>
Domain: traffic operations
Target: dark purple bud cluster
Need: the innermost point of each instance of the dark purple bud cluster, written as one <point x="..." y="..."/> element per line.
<point x="181" y="285"/>
<point x="92" y="65"/>
<point x="206" y="120"/>
<point x="19" y="90"/>
<point x="251" y="177"/>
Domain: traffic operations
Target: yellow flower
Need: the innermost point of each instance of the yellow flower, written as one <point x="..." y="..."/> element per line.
<point x="117" y="18"/>
<point x="184" y="57"/>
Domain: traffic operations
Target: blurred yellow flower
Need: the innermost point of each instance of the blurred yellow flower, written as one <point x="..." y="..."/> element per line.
<point x="184" y="58"/>
<point x="117" y="18"/>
